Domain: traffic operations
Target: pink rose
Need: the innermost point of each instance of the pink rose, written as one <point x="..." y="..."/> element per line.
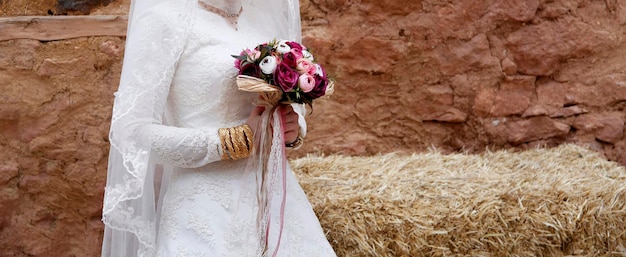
<point x="242" y="56"/>
<point x="321" y="82"/>
<point x="313" y="69"/>
<point x="306" y="82"/>
<point x="253" y="55"/>
<point x="304" y="66"/>
<point x="286" y="77"/>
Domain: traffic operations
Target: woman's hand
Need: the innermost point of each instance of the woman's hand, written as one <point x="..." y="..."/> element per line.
<point x="254" y="120"/>
<point x="290" y="121"/>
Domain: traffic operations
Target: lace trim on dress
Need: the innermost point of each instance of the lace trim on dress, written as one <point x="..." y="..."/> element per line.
<point x="138" y="102"/>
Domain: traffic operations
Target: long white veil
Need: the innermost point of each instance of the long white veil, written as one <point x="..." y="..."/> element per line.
<point x="135" y="184"/>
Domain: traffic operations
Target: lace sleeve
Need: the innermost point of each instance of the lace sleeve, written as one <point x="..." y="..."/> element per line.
<point x="156" y="35"/>
<point x="182" y="147"/>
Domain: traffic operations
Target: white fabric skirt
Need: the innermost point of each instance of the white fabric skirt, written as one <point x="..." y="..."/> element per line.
<point x="212" y="211"/>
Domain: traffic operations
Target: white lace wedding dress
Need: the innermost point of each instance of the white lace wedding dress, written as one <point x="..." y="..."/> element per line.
<point x="209" y="208"/>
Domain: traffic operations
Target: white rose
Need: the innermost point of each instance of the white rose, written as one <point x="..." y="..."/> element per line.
<point x="307" y="55"/>
<point x="318" y="70"/>
<point x="282" y="47"/>
<point x="268" y="64"/>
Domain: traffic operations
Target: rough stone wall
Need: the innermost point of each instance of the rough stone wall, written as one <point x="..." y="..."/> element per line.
<point x="457" y="75"/>
<point x="54" y="110"/>
<point x="466" y="75"/>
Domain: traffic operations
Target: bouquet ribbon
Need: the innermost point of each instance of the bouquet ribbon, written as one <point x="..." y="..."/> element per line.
<point x="270" y="156"/>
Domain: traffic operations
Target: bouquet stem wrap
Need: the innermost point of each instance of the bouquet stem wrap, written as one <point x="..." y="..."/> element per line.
<point x="268" y="160"/>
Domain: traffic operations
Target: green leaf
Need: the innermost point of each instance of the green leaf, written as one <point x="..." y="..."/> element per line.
<point x="240" y="57"/>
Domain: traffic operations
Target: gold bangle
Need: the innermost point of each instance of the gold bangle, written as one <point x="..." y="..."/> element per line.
<point x="247" y="132"/>
<point x="223" y="133"/>
<point x="244" y="134"/>
<point x="237" y="142"/>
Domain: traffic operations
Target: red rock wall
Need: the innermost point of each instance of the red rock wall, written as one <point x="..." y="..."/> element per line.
<point x="460" y="75"/>
<point x="465" y="75"/>
<point x="54" y="111"/>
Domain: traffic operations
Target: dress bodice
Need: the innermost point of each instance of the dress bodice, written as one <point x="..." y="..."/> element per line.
<point x="203" y="91"/>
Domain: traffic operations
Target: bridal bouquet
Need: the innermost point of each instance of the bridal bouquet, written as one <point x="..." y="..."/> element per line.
<point x="282" y="71"/>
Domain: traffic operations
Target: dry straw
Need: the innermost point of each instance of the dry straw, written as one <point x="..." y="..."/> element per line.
<point x="566" y="201"/>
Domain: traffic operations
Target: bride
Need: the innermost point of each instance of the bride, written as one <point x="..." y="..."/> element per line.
<point x="177" y="183"/>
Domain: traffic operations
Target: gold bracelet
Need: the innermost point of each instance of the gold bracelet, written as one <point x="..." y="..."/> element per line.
<point x="236" y="142"/>
<point x="239" y="144"/>
<point x="247" y="132"/>
<point x="224" y="136"/>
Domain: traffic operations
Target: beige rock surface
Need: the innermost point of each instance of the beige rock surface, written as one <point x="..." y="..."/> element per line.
<point x="56" y="100"/>
<point x="460" y="75"/>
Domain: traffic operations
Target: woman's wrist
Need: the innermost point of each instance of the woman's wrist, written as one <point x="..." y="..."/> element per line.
<point x="296" y="143"/>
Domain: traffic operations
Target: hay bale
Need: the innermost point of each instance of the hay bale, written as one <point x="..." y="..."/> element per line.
<point x="544" y="202"/>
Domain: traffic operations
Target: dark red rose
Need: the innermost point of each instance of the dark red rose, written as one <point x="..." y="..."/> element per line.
<point x="294" y="45"/>
<point x="321" y="82"/>
<point x="286" y="77"/>
<point x="290" y="58"/>
<point x="250" y="69"/>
